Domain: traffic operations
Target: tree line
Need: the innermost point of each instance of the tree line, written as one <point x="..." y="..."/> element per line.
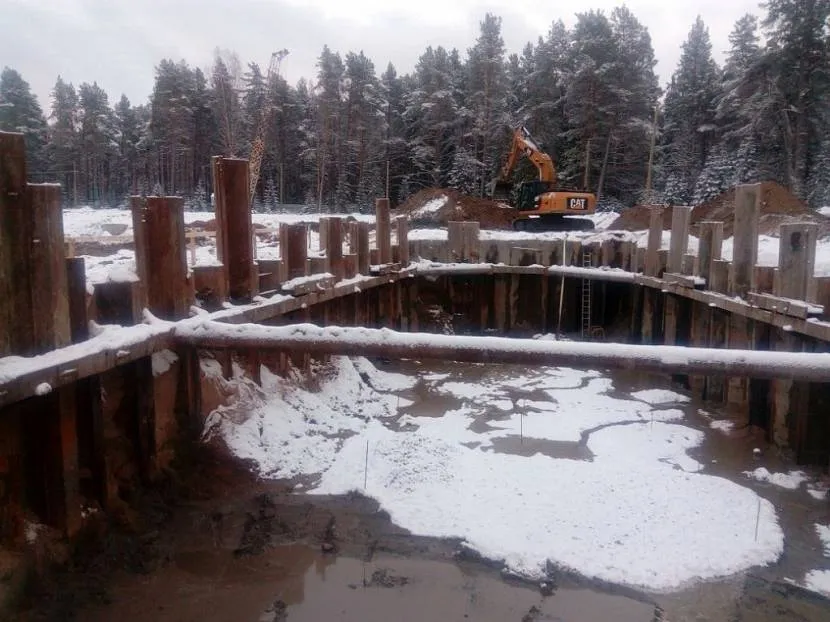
<point x="588" y="94"/>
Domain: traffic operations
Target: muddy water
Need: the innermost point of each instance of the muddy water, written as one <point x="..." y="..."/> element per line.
<point x="300" y="584"/>
<point x="764" y="594"/>
<point x="240" y="561"/>
<point x="415" y="590"/>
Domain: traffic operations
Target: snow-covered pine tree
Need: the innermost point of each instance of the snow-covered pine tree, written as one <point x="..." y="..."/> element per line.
<point x="799" y="54"/>
<point x="21" y="112"/>
<point x="689" y="128"/>
<point x="487" y="91"/>
<point x="63" y="148"/>
<point x="718" y="175"/>
<point x="465" y="174"/>
<point x="271" y="196"/>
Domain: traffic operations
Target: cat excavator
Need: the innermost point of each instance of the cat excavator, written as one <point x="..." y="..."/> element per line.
<point x="541" y="206"/>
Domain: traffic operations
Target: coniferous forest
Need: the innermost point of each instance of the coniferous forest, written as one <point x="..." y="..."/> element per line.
<point x="588" y="94"/>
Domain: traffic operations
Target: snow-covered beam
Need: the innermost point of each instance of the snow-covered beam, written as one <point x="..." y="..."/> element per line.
<point x="468" y="269"/>
<point x="813" y="367"/>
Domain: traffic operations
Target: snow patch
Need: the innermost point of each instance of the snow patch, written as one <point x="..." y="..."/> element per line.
<point x="818" y="581"/>
<point x="44" y="388"/>
<point x="162" y="361"/>
<point x="430" y="208"/>
<point x="383" y="380"/>
<point x="695" y="526"/>
<point x="790" y="481"/>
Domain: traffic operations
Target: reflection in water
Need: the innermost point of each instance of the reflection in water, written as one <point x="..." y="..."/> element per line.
<point x="403" y="589"/>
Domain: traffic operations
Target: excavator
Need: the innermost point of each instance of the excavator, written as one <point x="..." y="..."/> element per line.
<point x="540" y="205"/>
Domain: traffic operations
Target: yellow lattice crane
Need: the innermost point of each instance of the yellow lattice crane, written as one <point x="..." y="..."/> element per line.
<point x="258" y="146"/>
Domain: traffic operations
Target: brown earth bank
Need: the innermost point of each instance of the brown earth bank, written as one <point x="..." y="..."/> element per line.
<point x="214" y="544"/>
<point x="778" y="206"/>
<point x="458" y="206"/>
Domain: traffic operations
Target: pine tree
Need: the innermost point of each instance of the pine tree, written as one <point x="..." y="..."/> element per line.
<point x="21" y="112"/>
<point x="798" y="52"/>
<point x="227" y="109"/>
<point x="690" y="129"/>
<point x="329" y="185"/>
<point x="395" y="147"/>
<point x="172" y="127"/>
<point x="63" y="137"/>
<point x="590" y="101"/>
<point x="434" y="119"/>
<point x="487" y="88"/>
<point x="98" y="142"/>
<point x="128" y="130"/>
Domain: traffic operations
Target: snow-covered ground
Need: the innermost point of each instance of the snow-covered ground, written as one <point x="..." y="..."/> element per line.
<point x="639" y="510"/>
<point x="87" y="221"/>
<point x="819" y="580"/>
<point x="116" y="224"/>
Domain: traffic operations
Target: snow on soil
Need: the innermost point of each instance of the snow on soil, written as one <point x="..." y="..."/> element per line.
<point x="641" y="512"/>
<point x="88" y="221"/>
<point x="790" y="481"/>
<point x="430" y="207"/>
<point x="819" y="580"/>
<point x="823" y="532"/>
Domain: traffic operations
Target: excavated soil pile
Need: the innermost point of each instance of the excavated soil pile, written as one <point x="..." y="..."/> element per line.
<point x="435" y="207"/>
<point x="778" y="206"/>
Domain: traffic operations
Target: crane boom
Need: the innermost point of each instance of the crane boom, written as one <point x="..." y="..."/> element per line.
<point x="258" y="145"/>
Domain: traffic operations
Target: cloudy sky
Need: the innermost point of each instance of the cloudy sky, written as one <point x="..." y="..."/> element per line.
<point x="118" y="42"/>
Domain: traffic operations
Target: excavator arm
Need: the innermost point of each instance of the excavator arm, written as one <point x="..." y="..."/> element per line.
<point x="523" y="144"/>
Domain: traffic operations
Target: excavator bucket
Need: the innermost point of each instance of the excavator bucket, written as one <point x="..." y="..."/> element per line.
<point x="500" y="190"/>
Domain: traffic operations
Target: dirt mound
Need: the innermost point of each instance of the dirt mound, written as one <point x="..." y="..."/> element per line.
<point x="778" y="206"/>
<point x="638" y="218"/>
<point x="437" y="206"/>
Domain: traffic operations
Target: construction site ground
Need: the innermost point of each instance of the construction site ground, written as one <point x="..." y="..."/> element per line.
<point x="778" y="206"/>
<point x="435" y="207"/>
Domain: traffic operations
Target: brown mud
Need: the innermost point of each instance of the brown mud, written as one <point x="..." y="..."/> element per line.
<point x="778" y="206"/>
<point x="488" y="213"/>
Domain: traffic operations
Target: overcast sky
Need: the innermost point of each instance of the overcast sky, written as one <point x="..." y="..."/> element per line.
<point x="119" y="42"/>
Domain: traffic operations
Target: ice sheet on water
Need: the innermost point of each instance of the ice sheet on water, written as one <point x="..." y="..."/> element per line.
<point x="647" y="443"/>
<point x="600" y="518"/>
<point x="660" y="396"/>
<point x="640" y="513"/>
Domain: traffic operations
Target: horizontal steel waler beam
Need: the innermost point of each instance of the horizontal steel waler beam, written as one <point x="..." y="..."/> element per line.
<point x="802" y="366"/>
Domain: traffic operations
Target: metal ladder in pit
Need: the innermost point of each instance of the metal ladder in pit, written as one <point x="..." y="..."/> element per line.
<point x="586" y="297"/>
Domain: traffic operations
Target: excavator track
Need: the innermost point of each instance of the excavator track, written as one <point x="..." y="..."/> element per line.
<point x="553" y="222"/>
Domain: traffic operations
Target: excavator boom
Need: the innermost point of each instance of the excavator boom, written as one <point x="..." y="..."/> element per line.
<point x="541" y="206"/>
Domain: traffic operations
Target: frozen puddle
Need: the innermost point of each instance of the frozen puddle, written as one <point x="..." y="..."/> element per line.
<point x="625" y="504"/>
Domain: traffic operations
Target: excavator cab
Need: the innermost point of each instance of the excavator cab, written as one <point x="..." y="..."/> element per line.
<point x="528" y="192"/>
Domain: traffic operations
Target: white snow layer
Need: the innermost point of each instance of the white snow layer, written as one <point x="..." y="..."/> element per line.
<point x="641" y="512"/>
<point x="430" y="207"/>
<point x="790" y="481"/>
